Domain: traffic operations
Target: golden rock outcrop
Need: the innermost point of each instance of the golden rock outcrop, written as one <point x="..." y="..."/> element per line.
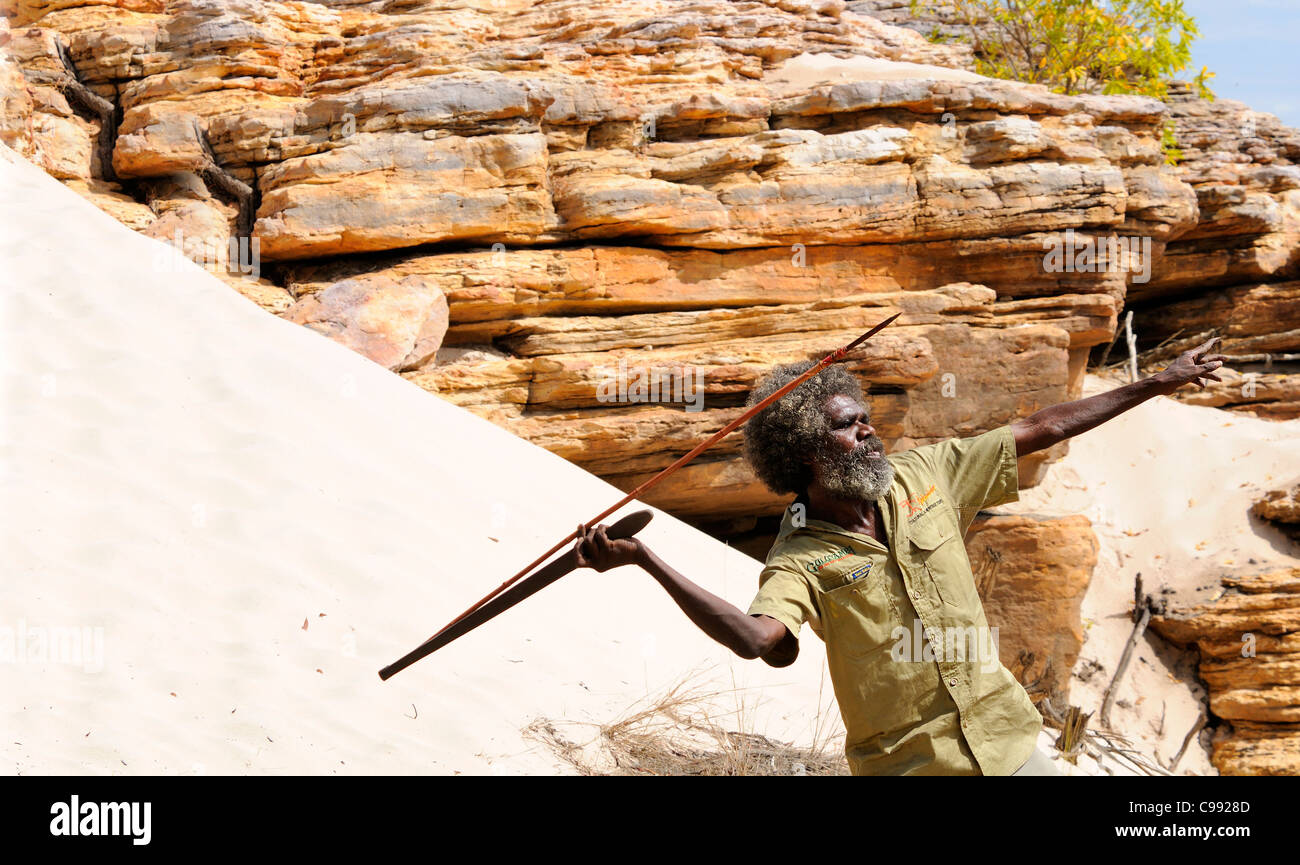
<point x="1248" y="635"/>
<point x="1031" y="575"/>
<point x="709" y="188"/>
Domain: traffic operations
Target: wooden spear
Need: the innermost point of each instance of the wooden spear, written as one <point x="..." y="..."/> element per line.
<point x="435" y="642"/>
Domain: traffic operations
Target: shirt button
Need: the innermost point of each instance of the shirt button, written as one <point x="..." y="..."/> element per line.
<point x="952" y="682"/>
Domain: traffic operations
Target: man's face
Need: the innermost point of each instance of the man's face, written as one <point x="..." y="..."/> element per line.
<point x="851" y="462"/>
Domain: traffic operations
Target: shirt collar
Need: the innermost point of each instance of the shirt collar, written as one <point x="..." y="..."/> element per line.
<point x="788" y="527"/>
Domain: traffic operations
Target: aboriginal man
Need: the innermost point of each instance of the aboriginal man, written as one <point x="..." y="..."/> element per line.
<point x="870" y="556"/>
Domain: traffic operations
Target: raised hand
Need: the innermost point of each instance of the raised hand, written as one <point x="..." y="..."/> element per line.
<point x="1191" y="366"/>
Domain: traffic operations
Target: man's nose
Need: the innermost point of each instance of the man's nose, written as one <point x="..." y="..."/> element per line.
<point x="865" y="431"/>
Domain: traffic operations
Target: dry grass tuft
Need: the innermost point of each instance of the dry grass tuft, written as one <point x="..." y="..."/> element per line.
<point x="1076" y="739"/>
<point x="681" y="731"/>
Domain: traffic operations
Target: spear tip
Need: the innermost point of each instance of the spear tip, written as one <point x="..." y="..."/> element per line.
<point x="869" y="334"/>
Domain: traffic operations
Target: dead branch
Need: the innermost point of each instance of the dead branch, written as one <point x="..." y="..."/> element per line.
<point x="1142" y="612"/>
<point x="1201" y="720"/>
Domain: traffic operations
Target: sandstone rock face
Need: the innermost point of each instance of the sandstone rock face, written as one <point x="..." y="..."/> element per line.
<point x="387" y="191"/>
<point x="1246" y="748"/>
<point x="1032" y="575"/>
<point x="1234" y="275"/>
<point x="54" y="135"/>
<point x="1249" y="639"/>
<point x="694" y="191"/>
<point x="1281" y="508"/>
<point x="1274" y="396"/>
<point x="16" y="102"/>
<point x="935" y="19"/>
<point x="1242" y="256"/>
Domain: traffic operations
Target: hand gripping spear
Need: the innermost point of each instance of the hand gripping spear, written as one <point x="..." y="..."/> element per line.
<point x="503" y="597"/>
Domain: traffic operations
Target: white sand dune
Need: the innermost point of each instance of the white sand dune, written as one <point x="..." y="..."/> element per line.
<point x="1168" y="488"/>
<point x="192" y="480"/>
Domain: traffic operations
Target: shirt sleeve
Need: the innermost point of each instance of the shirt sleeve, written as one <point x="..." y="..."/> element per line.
<point x="978" y="472"/>
<point x="785" y="596"/>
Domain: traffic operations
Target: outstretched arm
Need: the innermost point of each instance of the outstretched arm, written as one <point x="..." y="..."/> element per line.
<point x="1045" y="428"/>
<point x="747" y="636"/>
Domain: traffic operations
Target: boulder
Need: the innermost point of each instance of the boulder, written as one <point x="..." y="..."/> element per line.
<point x="1248" y="634"/>
<point x="1032" y="574"/>
<point x="398" y="324"/>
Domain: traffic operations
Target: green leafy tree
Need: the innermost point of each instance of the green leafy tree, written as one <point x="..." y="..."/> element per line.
<point x="1081" y="46"/>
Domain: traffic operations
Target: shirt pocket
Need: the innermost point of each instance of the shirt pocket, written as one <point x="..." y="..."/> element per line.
<point x="855" y="612"/>
<point x="929" y="535"/>
<point x="935" y="545"/>
<point x="856" y="571"/>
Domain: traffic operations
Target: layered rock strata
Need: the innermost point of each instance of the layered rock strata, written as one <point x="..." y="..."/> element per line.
<point x="1234" y="276"/>
<point x="514" y="203"/>
<point x="1248" y="634"/>
<point x="1282" y="509"/>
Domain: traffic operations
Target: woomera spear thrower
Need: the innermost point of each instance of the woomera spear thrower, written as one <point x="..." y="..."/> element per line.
<point x="503" y="597"/>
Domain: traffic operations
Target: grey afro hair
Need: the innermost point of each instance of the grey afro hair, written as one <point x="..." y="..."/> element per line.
<point x="781" y="436"/>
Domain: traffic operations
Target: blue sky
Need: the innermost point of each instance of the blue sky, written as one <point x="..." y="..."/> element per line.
<point x="1254" y="46"/>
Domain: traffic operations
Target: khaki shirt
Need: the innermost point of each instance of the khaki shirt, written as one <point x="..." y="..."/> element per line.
<point x="913" y="661"/>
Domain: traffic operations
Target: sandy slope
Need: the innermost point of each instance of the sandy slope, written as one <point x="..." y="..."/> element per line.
<point x="1168" y="488"/>
<point x="197" y="479"/>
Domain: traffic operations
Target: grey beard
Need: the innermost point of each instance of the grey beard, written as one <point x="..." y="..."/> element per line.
<point x="856" y="475"/>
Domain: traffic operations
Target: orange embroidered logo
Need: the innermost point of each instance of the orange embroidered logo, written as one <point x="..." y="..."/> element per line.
<point x="917" y="503"/>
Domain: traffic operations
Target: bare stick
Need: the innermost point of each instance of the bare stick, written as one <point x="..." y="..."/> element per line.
<point x="1146" y="356"/>
<point x="1201" y="721"/>
<point x="1132" y="347"/>
<point x="1074" y="733"/>
<point x="1260" y="358"/>
<point x="1174" y="346"/>
<point x="1143" y="612"/>
<point x="1105" y="355"/>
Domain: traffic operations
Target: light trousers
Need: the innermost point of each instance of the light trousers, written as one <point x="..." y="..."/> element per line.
<point x="1038" y="764"/>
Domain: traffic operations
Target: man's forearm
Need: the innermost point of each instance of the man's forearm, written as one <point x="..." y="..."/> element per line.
<point x="1044" y="428"/>
<point x="722" y="621"/>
